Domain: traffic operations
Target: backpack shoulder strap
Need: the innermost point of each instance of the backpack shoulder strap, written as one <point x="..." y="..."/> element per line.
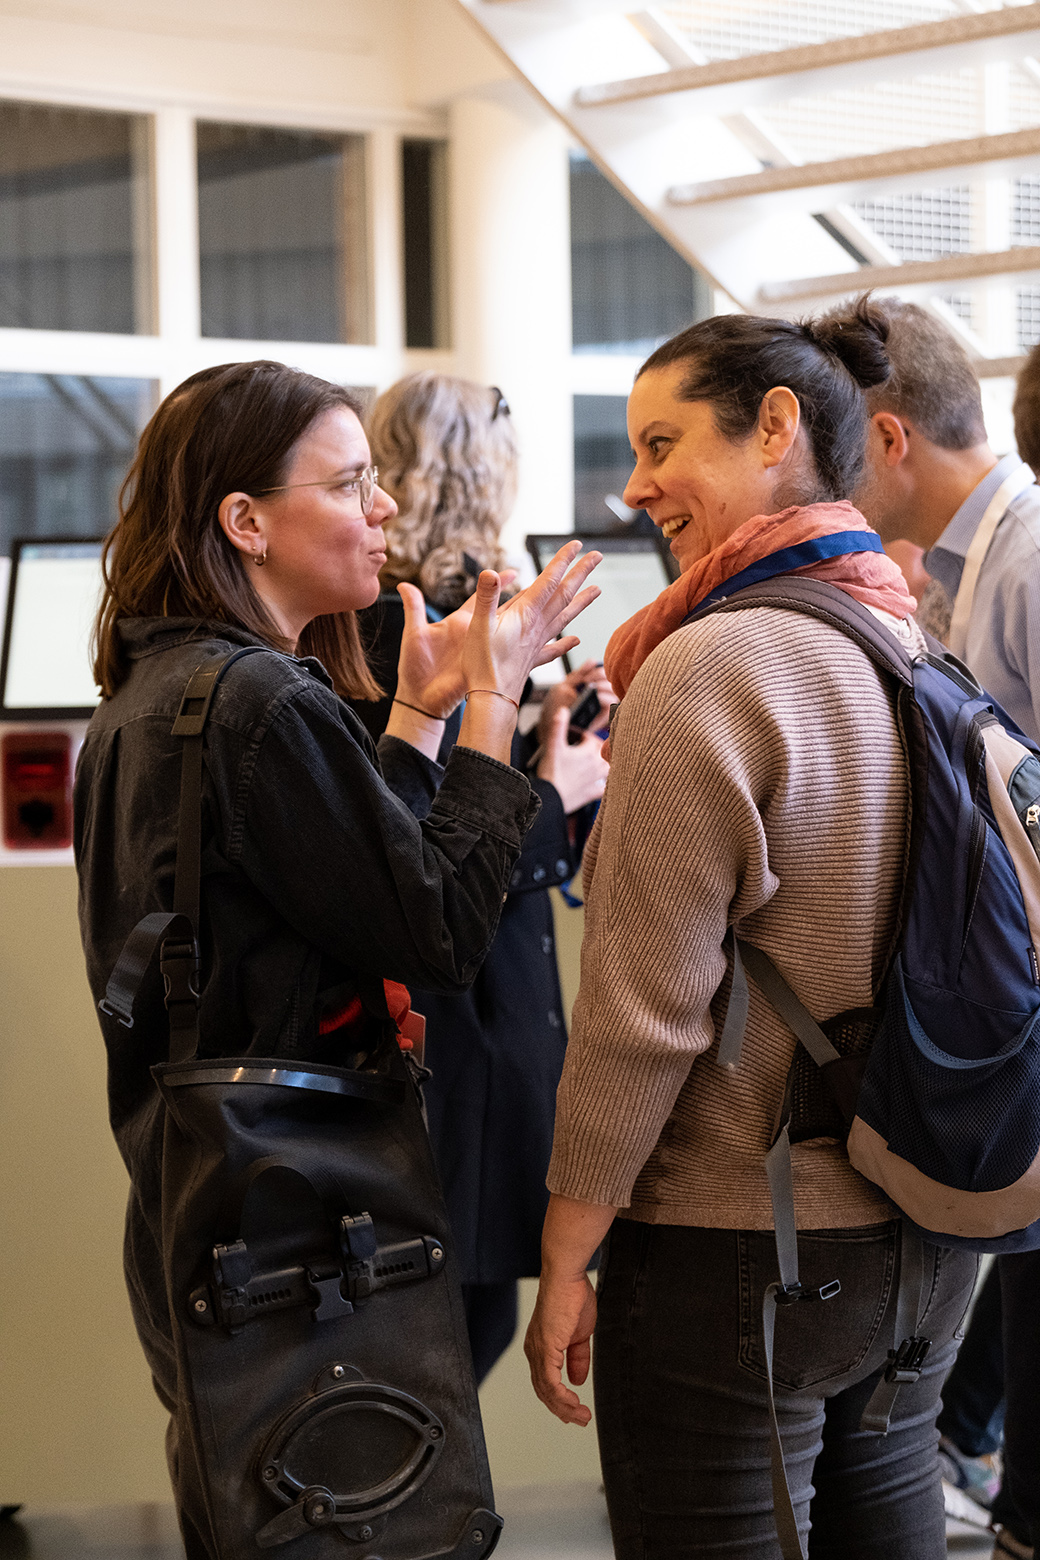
<point x="828" y="604"/>
<point x="175" y="933"/>
<point x="831" y="605"/>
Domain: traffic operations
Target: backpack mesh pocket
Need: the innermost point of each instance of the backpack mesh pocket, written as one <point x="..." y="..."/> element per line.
<point x="814" y="1113"/>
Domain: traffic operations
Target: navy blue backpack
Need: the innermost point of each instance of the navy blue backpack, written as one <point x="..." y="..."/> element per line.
<point x="936" y="1087"/>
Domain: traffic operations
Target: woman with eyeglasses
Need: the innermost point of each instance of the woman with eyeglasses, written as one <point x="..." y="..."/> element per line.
<point x="448" y="454"/>
<point x="252" y="517"/>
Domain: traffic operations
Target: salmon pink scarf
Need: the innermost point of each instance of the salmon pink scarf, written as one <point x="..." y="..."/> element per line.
<point x="870" y="577"/>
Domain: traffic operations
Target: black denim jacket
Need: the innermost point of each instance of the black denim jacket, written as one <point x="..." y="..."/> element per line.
<point x="317" y="873"/>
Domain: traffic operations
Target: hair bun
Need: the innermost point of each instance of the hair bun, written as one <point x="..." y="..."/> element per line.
<point x="858" y="340"/>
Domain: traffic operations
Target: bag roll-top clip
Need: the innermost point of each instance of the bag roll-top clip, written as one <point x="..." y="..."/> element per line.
<point x="237" y="1294"/>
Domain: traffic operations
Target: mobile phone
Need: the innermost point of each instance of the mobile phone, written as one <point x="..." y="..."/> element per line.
<point x="583" y="714"/>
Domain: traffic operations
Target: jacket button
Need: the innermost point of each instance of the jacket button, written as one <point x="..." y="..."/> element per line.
<point x="516" y="879"/>
<point x="563" y="867"/>
<point x="554" y="1018"/>
<point x="547" y="944"/>
<point x="538" y="875"/>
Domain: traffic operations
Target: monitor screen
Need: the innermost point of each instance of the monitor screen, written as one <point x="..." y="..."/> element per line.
<point x="632" y="573"/>
<point x="52" y="601"/>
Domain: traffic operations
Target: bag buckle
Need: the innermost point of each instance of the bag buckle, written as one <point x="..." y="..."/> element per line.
<point x="180" y="965"/>
<point x="368" y="1266"/>
<point x="790" y="1294"/>
<point x="905" y="1362"/>
<point x="236" y="1293"/>
<point x="127" y="1020"/>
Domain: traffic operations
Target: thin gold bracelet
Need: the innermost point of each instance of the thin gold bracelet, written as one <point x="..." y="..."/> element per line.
<point x="498" y="695"/>
<point x="417" y="710"/>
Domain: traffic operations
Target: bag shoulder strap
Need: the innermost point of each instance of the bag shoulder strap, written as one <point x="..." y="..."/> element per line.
<point x="829" y="604"/>
<point x="175" y="933"/>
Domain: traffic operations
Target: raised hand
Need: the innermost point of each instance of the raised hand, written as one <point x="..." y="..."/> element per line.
<point x="484" y="653"/>
<point x="505" y="643"/>
<point x="429" y="668"/>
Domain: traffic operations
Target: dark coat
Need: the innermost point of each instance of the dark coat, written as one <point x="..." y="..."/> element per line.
<point x="317" y="875"/>
<point x="496" y="1050"/>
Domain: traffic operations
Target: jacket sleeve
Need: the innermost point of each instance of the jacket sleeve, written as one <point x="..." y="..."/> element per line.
<point x="326" y="840"/>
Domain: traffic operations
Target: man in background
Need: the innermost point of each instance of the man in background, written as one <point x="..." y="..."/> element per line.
<point x="1026" y="411"/>
<point x="931" y="479"/>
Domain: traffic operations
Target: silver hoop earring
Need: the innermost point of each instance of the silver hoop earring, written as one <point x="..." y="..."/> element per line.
<point x="260" y="558"/>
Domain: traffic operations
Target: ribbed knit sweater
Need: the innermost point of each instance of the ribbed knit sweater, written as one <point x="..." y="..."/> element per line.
<point x="757" y="778"/>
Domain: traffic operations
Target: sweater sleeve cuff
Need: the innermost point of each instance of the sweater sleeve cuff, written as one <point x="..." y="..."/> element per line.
<point x="585" y="1177"/>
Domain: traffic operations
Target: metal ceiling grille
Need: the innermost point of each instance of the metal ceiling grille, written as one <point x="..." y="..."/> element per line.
<point x="799" y="152"/>
<point x="727" y="29"/>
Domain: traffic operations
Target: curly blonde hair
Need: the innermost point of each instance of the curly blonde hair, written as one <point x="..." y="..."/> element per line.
<point x="449" y="462"/>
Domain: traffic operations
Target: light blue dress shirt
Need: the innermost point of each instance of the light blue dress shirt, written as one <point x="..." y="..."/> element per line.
<point x="1003" y="645"/>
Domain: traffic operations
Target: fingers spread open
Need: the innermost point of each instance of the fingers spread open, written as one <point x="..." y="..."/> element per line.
<point x="485" y="597"/>
<point x="556" y="647"/>
<point x="575" y="577"/>
<point x="414" y="605"/>
<point x="561" y="560"/>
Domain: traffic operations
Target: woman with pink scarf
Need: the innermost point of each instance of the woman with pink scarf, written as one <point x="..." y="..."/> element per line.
<point x="758" y="782"/>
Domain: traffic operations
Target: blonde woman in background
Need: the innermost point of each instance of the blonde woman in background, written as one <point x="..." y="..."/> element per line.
<point x="446" y="450"/>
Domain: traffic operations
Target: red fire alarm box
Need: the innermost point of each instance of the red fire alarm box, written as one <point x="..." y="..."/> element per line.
<point x="37" y="769"/>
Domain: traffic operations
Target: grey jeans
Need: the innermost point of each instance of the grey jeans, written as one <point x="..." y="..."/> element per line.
<point x="681" y="1395"/>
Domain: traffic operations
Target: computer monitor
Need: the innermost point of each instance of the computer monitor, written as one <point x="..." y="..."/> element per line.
<point x="634" y="570"/>
<point x="52" y="601"/>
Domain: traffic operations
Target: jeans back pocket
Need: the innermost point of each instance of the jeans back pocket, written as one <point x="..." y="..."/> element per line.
<point x="817" y="1341"/>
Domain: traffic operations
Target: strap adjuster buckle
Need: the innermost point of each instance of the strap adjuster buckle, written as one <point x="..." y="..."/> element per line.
<point x="790" y="1294"/>
<point x="127" y="1020"/>
<point x="905" y="1362"/>
<point x="180" y="965"/>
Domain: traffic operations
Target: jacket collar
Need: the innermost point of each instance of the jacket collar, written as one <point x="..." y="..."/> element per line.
<point x="143" y="637"/>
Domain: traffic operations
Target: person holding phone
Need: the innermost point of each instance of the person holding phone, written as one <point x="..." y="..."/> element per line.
<point x="447" y="452"/>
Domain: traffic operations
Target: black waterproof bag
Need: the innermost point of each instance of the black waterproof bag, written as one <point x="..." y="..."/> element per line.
<point x="326" y="1403"/>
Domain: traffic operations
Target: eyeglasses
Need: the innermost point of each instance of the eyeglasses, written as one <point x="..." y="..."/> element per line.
<point x="501" y="404"/>
<point x="364" y="484"/>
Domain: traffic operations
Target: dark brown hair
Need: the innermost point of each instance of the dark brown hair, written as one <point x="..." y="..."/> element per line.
<point x="224" y="430"/>
<point x="733" y="360"/>
<point x="932" y="383"/>
<point x="1027" y="410"/>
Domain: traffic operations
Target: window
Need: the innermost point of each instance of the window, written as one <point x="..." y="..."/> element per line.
<point x="630" y="289"/>
<point x="282" y="234"/>
<point x="425" y="211"/>
<point x="602" y="460"/>
<point x="75" y="220"/>
<point x="65" y="444"/>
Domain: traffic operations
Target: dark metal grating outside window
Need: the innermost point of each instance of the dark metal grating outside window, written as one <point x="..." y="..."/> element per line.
<point x="75" y="220"/>
<point x="602" y="459"/>
<point x="424" y="209"/>
<point x="630" y="289"/>
<point x="66" y="441"/>
<point x="282" y="234"/>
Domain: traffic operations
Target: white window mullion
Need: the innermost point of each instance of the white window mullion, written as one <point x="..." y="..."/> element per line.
<point x="386" y="247"/>
<point x="176" y="239"/>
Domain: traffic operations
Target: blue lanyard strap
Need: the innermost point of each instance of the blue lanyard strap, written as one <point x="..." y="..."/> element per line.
<point x="789" y="558"/>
